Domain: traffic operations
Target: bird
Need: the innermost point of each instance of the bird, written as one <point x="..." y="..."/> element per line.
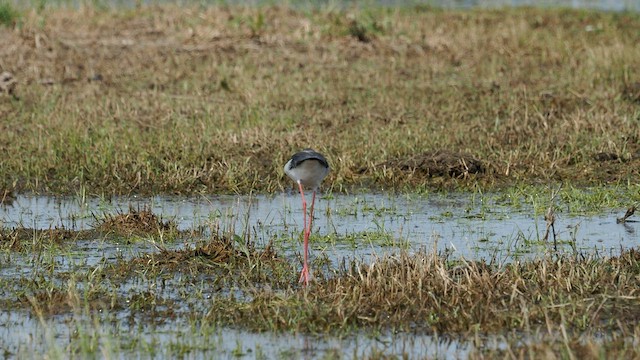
<point x="307" y="169"/>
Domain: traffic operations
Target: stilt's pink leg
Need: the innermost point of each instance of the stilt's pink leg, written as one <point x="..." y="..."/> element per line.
<point x="313" y="201"/>
<point x="304" y="275"/>
<point x="304" y="206"/>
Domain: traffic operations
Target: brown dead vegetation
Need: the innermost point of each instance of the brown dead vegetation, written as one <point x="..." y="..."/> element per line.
<point x="135" y="222"/>
<point x="428" y="293"/>
<point x="7" y="83"/>
<point x="631" y="92"/>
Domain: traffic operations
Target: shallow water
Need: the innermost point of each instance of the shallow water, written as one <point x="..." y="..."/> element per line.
<point x="469" y="227"/>
<point x="22" y="334"/>
<point x="345" y="227"/>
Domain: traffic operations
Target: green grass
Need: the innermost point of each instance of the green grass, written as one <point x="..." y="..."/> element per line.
<point x="215" y="100"/>
<point x="378" y="237"/>
<point x="8" y="14"/>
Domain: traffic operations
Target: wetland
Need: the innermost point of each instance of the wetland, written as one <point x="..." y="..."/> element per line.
<point x="482" y="161"/>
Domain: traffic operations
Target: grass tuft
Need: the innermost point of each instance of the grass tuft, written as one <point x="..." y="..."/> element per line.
<point x="138" y="222"/>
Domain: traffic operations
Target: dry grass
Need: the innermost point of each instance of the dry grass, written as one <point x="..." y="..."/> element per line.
<point x="168" y="99"/>
<point x="7" y="197"/>
<point x="424" y="292"/>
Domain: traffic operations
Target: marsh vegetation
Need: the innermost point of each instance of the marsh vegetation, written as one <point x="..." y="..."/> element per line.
<point x="503" y="105"/>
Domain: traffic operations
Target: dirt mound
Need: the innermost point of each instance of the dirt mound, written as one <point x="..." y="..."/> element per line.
<point x="438" y="163"/>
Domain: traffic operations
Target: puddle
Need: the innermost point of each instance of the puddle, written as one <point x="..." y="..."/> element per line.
<point x="346" y="226"/>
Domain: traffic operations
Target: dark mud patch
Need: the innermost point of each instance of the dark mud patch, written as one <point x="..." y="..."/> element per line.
<point x="438" y="163"/>
<point x="607" y="156"/>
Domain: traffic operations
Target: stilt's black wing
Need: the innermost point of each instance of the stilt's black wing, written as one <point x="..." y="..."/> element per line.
<point x="307" y="154"/>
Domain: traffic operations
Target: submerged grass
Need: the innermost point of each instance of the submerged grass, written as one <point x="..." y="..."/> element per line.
<point x="224" y="259"/>
<point x="26" y="240"/>
<point x="565" y="345"/>
<point x="215" y="99"/>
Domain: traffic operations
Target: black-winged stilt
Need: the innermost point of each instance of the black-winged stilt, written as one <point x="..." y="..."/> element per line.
<point x="307" y="168"/>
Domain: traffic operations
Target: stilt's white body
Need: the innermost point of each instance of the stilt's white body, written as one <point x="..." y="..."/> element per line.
<point x="309" y="173"/>
<point x="307" y="168"/>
